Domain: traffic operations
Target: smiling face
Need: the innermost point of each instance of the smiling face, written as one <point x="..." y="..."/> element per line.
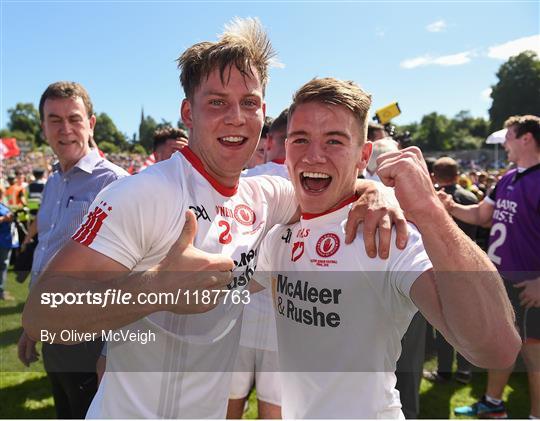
<point x="67" y="128"/>
<point x="225" y="121"/>
<point x="325" y="149"/>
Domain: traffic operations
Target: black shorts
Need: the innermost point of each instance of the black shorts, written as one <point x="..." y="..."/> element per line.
<point x="527" y="319"/>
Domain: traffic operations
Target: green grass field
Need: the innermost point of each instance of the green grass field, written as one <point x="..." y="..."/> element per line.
<point x="25" y="392"/>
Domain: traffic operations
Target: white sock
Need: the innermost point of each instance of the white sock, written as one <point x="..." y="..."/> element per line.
<point x="493" y="400"/>
<point x="532" y="417"/>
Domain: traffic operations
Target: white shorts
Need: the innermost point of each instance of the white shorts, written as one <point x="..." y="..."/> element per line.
<point x="260" y="367"/>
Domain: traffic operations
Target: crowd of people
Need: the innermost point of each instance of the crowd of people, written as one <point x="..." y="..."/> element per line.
<point x="339" y="245"/>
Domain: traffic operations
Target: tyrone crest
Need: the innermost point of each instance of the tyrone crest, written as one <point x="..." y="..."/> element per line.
<point x="327" y="245"/>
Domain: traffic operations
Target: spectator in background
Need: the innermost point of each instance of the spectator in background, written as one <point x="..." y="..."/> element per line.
<point x="67" y="121"/>
<point x="15" y="193"/>
<point x="275" y="150"/>
<point x="445" y="175"/>
<point x="8" y="241"/>
<point x="376" y="131"/>
<point x="167" y="141"/>
<point x="35" y="188"/>
<point x="259" y="156"/>
<point x="381" y="146"/>
<point x="513" y="208"/>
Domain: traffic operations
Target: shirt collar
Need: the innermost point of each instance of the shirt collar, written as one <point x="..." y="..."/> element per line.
<point x="529" y="170"/>
<point x="88" y="162"/>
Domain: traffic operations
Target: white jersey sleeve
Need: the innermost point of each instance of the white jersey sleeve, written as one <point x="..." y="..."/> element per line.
<point x="405" y="266"/>
<point x="279" y="193"/>
<point x="126" y="219"/>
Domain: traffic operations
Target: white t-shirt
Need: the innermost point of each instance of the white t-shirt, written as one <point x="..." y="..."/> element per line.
<point x="340" y="316"/>
<point x="186" y="371"/>
<point x="259" y="324"/>
<point x="268" y="168"/>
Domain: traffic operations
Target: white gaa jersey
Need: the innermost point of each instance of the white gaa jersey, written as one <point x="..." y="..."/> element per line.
<point x="268" y="168"/>
<point x="185" y="372"/>
<point x="258" y="324"/>
<point x="340" y="316"/>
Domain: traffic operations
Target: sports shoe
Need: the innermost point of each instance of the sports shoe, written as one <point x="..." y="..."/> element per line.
<point x="463" y="377"/>
<point x="435" y="377"/>
<point x="483" y="409"/>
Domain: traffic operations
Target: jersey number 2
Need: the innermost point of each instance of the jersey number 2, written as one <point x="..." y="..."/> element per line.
<point x="225" y="237"/>
<point x="497" y="243"/>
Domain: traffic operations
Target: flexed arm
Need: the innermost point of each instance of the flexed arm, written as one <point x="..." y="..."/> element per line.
<point x="463" y="297"/>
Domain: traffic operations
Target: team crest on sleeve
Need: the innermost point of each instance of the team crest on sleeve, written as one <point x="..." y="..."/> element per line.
<point x="297" y="250"/>
<point x="94" y="220"/>
<point x="327" y="245"/>
<point x="244" y="215"/>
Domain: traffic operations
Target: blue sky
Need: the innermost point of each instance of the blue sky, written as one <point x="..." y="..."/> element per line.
<point x="428" y="56"/>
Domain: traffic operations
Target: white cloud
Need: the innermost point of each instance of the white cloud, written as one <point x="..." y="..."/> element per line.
<point x="486" y="94"/>
<point x="437" y="26"/>
<point x="427" y="60"/>
<point x="415" y="62"/>
<point x="511" y="48"/>
<point x="454" y="59"/>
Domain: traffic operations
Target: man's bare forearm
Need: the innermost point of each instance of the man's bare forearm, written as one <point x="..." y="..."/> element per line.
<point x="475" y="307"/>
<point x="479" y="214"/>
<point x="44" y="312"/>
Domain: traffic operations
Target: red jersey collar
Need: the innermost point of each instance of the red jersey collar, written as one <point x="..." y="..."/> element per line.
<point x="340" y="205"/>
<point x="279" y="161"/>
<point x="198" y="165"/>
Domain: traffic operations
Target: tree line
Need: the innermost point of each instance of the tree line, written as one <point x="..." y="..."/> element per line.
<point x="517" y="91"/>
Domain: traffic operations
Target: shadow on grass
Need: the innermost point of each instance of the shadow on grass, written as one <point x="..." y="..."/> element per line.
<point x="15" y="309"/>
<point x="435" y="402"/>
<point x="10" y="337"/>
<point x="15" y="400"/>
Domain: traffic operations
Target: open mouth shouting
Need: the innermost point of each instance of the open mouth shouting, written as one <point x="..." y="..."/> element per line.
<point x="232" y="140"/>
<point x="315" y="182"/>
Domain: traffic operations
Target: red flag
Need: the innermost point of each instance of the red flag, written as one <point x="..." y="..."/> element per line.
<point x="151" y="160"/>
<point x="9" y="148"/>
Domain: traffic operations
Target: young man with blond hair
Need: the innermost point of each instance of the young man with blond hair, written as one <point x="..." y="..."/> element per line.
<point x="129" y="244"/>
<point x="340" y="316"/>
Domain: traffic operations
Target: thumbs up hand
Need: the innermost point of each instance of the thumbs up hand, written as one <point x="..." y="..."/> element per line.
<point x="187" y="272"/>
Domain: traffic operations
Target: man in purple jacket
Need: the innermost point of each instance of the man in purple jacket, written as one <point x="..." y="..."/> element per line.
<point x="514" y="209"/>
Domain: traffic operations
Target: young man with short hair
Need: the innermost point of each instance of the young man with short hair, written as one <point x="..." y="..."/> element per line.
<point x="513" y="208"/>
<point x="340" y="315"/>
<point x="167" y="141"/>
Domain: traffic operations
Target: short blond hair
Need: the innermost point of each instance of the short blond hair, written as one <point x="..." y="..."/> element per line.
<point x="244" y="44"/>
<point x="336" y="92"/>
